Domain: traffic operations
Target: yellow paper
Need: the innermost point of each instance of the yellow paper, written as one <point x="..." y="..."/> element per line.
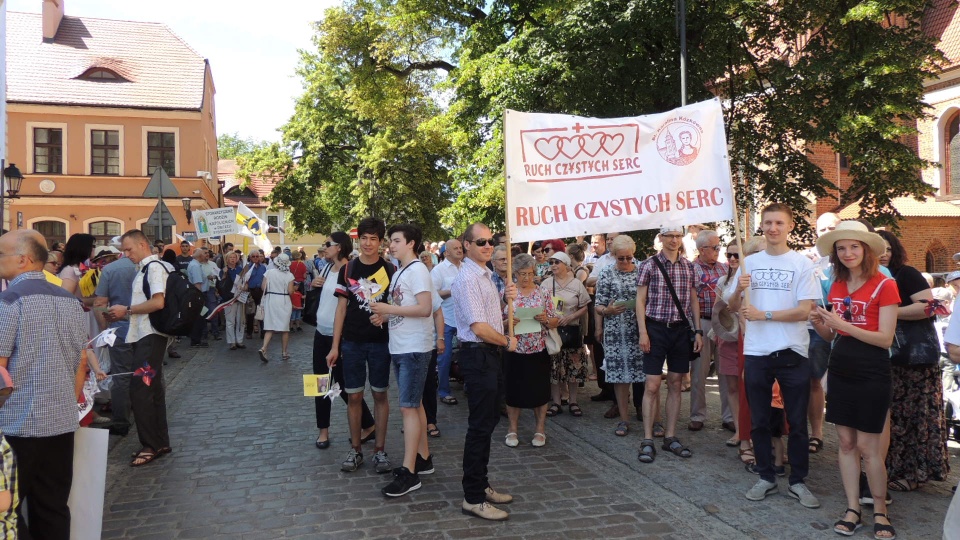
<point x="316" y="385"/>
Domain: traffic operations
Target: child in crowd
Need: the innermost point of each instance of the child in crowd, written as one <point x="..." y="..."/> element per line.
<point x="296" y="316"/>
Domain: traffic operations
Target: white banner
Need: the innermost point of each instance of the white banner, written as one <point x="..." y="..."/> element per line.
<point x="89" y="483"/>
<point x="216" y="222"/>
<point x="570" y="175"/>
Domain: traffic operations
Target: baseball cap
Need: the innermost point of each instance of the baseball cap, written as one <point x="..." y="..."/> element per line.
<point x="952" y="276"/>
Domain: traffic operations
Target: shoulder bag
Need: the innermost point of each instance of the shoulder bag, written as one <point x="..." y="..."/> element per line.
<point x="915" y="343"/>
<point x="676" y="301"/>
<point x="570" y="335"/>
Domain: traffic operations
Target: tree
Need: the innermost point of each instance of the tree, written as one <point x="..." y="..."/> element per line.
<point x="231" y="145"/>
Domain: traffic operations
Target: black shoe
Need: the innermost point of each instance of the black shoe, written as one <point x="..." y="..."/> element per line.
<point x="602" y="396"/>
<point x="425" y="466"/>
<point x="323" y="445"/>
<point x="200" y="345"/>
<point x="403" y="482"/>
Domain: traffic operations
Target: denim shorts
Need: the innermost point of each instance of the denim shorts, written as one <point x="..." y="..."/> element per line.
<point x="357" y="358"/>
<point x="819" y="355"/>
<point x="411" y="372"/>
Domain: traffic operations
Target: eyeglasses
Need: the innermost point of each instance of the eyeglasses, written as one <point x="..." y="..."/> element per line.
<point x="847" y="314"/>
<point x="501" y="259"/>
<point x="624" y="259"/>
<point x="481" y="242"/>
<point x="733" y="256"/>
<point x="330" y="244"/>
<point x="715" y="248"/>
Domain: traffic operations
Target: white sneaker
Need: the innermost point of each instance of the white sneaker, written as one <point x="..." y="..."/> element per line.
<point x="761" y="489"/>
<point x="800" y="492"/>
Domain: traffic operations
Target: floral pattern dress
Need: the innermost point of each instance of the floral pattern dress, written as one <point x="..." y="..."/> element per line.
<point x="621" y="337"/>
<point x="526" y="372"/>
<point x="536" y="341"/>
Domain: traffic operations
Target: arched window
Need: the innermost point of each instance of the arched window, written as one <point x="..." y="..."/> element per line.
<point x="951" y="156"/>
<point x="53" y="231"/>
<point x="237" y="191"/>
<point x="101" y="74"/>
<point x="104" y="231"/>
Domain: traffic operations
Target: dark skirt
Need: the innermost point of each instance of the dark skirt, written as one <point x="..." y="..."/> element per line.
<point x="858" y="385"/>
<point x="918" y="426"/>
<point x="526" y="379"/>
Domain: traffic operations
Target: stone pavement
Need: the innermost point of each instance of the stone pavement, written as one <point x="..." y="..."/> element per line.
<point x="244" y="466"/>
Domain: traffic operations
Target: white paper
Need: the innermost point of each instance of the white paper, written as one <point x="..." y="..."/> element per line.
<point x="89" y="483"/>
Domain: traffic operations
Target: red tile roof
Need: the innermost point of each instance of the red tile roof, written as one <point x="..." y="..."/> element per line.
<point x="226" y="169"/>
<point x="162" y="71"/>
<point x="910" y="207"/>
<point x="941" y="21"/>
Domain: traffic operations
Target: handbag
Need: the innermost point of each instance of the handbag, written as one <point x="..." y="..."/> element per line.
<point x="259" y="313"/>
<point x="554" y="342"/>
<point x="570" y="336"/>
<point x="676" y="301"/>
<point x="915" y="343"/>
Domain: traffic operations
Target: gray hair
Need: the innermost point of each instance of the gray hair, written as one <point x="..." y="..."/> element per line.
<point x="501" y="247"/>
<point x="622" y="242"/>
<point x="705" y="237"/>
<point x="523" y="261"/>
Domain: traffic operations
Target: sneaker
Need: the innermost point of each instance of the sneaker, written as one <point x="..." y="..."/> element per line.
<point x="780" y="470"/>
<point x="484" y="510"/>
<point x="761" y="489"/>
<point x="353" y="462"/>
<point x="800" y="492"/>
<point x="381" y="462"/>
<point x="403" y="482"/>
<point x="866" y="498"/>
<point x="425" y="466"/>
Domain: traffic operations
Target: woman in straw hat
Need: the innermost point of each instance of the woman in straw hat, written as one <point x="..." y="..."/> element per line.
<point x="860" y="321"/>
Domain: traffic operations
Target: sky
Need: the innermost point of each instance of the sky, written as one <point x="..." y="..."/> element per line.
<point x="251" y="45"/>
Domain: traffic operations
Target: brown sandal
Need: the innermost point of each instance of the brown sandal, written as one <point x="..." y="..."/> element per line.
<point x="143" y="457"/>
<point x="747" y="456"/>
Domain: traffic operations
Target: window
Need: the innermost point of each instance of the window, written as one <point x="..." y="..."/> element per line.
<point x="53" y="231"/>
<point x="237" y="191"/>
<point x="273" y="221"/>
<point x="843" y="162"/>
<point x="47" y="150"/>
<point x="101" y="74"/>
<point x="104" y="231"/>
<point x="161" y="152"/>
<point x="951" y="157"/>
<point x="150" y="231"/>
<point x="104" y="152"/>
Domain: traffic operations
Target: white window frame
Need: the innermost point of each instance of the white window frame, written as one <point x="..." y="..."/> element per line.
<point x="87" y="222"/>
<point x="31" y="221"/>
<point x="64" y="170"/>
<point x="143" y="147"/>
<point x="88" y="147"/>
<point x="939" y="148"/>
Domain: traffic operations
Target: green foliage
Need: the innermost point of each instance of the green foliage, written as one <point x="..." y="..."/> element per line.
<point x="231" y="145"/>
<point x="403" y="100"/>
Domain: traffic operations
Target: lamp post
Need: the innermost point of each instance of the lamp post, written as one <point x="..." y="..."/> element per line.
<point x="14" y="180"/>
<point x="186" y="208"/>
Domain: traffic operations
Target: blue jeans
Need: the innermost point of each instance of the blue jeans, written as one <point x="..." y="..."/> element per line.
<point x="444" y="361"/>
<point x="792" y="371"/>
<point x="210" y="300"/>
<point x="411" y="372"/>
<point x="357" y="358"/>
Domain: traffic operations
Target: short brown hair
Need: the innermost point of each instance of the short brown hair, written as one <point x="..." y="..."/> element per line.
<point x="777" y="207"/>
<point x="136" y="235"/>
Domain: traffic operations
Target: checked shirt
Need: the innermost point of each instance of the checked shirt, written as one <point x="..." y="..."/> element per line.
<point x="660" y="304"/>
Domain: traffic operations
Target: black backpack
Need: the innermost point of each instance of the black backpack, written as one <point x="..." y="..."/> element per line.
<point x="181" y="306"/>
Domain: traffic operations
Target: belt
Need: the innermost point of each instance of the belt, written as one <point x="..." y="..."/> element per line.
<point x="478" y="345"/>
<point x="671" y="324"/>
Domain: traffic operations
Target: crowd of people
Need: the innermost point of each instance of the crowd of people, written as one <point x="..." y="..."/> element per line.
<point x="844" y="332"/>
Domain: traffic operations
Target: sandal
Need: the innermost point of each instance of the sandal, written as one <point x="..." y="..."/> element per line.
<point x="658" y="431"/>
<point x="848" y="528"/>
<point x="816" y="445"/>
<point x="612" y="412"/>
<point x="553" y="409"/>
<point x="648" y="452"/>
<point x="733" y="442"/>
<point x="747" y="456"/>
<point x="622" y="429"/>
<point x="263" y="356"/>
<point x="284" y="356"/>
<point x="575" y="410"/>
<point x="902" y="485"/>
<point x="539" y="439"/>
<point x="449" y="400"/>
<point x="674" y="445"/>
<point x="512" y="441"/>
<point x="143" y="457"/>
<point x="435" y="432"/>
<point x="879" y="528"/>
<point x="160" y="452"/>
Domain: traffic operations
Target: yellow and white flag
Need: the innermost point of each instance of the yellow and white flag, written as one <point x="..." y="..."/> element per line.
<point x="250" y="225"/>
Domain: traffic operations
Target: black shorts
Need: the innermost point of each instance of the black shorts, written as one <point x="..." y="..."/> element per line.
<point x="671" y="344"/>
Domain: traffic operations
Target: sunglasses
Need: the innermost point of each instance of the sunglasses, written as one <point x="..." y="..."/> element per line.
<point x="847" y="314"/>
<point x="481" y="242"/>
<point x="330" y="244"/>
<point x="554" y="262"/>
<point x="733" y="256"/>
<point x="624" y="259"/>
<point x="547" y="249"/>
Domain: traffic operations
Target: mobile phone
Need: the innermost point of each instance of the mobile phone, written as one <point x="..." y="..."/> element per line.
<point x="829" y="306"/>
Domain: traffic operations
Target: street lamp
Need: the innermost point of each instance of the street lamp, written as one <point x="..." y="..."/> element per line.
<point x="186" y="208"/>
<point x="14" y="180"/>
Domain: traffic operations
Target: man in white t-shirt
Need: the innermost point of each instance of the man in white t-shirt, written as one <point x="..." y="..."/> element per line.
<point x="443" y="275"/>
<point x="782" y="290"/>
<point x="410" y="314"/>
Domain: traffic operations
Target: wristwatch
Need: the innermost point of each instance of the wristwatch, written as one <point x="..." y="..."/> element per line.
<point x="768" y="315"/>
<point x="698" y="332"/>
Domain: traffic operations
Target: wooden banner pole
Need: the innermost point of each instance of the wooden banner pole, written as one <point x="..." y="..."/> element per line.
<point x="506" y="205"/>
<point x="740" y="238"/>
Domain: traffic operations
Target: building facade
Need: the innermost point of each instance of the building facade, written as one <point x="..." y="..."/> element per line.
<point x="94" y="107"/>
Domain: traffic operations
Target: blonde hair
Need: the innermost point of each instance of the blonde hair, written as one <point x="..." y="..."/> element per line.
<point x="622" y="242"/>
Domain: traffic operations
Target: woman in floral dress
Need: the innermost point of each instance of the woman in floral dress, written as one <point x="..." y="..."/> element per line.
<point x="526" y="372"/>
<point x="617" y="285"/>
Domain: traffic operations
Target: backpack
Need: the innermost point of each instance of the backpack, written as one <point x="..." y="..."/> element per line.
<point x="181" y="307"/>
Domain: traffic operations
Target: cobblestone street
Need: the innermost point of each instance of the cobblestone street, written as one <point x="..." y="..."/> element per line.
<point x="244" y="465"/>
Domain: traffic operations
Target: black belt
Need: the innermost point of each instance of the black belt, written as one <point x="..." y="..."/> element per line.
<point x="478" y="345"/>
<point x="672" y="324"/>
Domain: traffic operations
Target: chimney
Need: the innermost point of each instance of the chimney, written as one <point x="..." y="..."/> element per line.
<point x="52" y="15"/>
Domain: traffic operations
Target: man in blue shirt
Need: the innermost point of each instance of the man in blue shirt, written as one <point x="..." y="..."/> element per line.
<point x="254" y="271"/>
<point x="197" y="278"/>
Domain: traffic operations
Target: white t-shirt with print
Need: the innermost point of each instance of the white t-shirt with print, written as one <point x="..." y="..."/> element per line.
<point x="411" y="334"/>
<point x="778" y="282"/>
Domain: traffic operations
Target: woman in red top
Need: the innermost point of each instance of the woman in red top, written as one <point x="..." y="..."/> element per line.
<point x="860" y="321"/>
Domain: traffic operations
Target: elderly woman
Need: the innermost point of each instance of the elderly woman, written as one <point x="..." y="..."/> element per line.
<point x="571" y="299"/>
<point x="526" y="372"/>
<point x="860" y="325"/>
<point x="617" y="326"/>
<point x="231" y="279"/>
<point x="728" y="340"/>
<point x="917" y="431"/>
<point x="277" y="308"/>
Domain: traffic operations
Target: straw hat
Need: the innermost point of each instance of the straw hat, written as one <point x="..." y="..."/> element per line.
<point x="724" y="322"/>
<point x="850" y="230"/>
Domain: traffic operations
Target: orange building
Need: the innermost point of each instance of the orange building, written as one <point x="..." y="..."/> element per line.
<point x="94" y="107"/>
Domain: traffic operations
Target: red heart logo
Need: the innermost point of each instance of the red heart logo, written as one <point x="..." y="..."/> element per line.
<point x="611" y="143"/>
<point x="591" y="143"/>
<point x="548" y="148"/>
<point x="569" y="147"/>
